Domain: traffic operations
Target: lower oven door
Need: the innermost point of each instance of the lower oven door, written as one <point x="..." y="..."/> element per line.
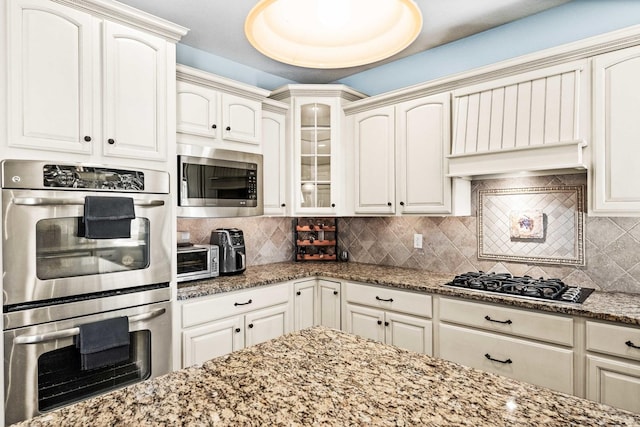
<point x="42" y="365"/>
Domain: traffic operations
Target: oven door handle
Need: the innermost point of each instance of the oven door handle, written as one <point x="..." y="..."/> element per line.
<point x="66" y="333"/>
<point x="54" y="201"/>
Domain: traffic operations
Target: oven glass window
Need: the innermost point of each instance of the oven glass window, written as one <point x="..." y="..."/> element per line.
<point x="60" y="252"/>
<point x="62" y="381"/>
<point x="193" y="261"/>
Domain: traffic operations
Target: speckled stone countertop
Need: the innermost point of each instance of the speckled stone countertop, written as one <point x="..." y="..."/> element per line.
<point x="321" y="376"/>
<point x="610" y="306"/>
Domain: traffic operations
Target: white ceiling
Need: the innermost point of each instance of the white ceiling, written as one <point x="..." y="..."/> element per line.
<point x="217" y="27"/>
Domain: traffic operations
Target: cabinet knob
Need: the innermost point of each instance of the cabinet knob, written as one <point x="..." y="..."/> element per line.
<point x="214" y="126"/>
<point x="250" y="325"/>
<point x="335" y="292"/>
<point x="333" y="205"/>
<point x="237" y="330"/>
<point x="386" y="323"/>
<point x="283" y="205"/>
<point x="401" y="203"/>
<point x="389" y="203"/>
<point x="87" y="138"/>
<point x="379" y="322"/>
<point x="111" y="141"/>
<point x="228" y="128"/>
<point x="298" y="293"/>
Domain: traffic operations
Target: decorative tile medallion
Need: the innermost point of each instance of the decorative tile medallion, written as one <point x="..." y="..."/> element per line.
<point x="541" y="225"/>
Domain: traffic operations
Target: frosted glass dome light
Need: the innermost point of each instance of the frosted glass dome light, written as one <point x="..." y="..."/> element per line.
<point x="332" y="33"/>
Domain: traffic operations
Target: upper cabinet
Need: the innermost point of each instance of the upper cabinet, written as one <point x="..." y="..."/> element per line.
<point x="616" y="134"/>
<point x="317" y="147"/>
<point x="88" y="85"/>
<point x="216" y="112"/>
<point x="274" y="131"/>
<point x="532" y="121"/>
<point x="400" y="158"/>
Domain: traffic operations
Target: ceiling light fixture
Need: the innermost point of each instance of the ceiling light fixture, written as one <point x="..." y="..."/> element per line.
<point x="332" y="33"/>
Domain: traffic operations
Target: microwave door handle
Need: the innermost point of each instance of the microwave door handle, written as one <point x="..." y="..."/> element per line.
<point x="67" y="333"/>
<point x="48" y="201"/>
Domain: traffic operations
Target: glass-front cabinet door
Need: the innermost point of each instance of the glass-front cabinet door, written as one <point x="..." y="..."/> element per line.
<point x="316" y="159"/>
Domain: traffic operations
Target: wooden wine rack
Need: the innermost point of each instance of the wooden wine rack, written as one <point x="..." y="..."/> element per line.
<point x="316" y="239"/>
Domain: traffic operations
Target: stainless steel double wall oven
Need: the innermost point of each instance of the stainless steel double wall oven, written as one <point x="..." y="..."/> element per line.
<point x="56" y="281"/>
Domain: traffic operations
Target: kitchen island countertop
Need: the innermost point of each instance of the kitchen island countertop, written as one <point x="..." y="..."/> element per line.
<point x="610" y="306"/>
<point x="321" y="376"/>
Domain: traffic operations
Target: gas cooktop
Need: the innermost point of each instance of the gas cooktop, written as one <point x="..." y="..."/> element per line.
<point x="524" y="286"/>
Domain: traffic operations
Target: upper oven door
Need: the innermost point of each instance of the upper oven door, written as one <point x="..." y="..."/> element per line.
<point x="44" y="258"/>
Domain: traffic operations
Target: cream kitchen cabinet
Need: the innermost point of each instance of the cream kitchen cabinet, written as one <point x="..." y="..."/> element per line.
<point x="88" y="86"/>
<point x="391" y="316"/>
<point x="613" y="365"/>
<point x="216" y="112"/>
<point x="521" y="344"/>
<point x="316" y="302"/>
<point x="317" y="147"/>
<point x="218" y="325"/>
<point x="616" y="132"/>
<point x="400" y="159"/>
<point x="274" y="164"/>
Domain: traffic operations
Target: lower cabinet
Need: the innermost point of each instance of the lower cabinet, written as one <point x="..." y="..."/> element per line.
<point x="613" y="365"/>
<point x="316" y="302"/>
<point x="391" y="316"/>
<point x="520" y="344"/>
<point x="219" y="325"/>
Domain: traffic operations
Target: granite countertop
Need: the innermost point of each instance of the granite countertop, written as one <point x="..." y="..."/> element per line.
<point x="321" y="376"/>
<point x="610" y="306"/>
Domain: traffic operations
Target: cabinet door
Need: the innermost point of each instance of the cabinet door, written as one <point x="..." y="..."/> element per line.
<point x="211" y="340"/>
<point x="241" y="119"/>
<point x="329" y="299"/>
<point x="51" y="77"/>
<point x="409" y="332"/>
<point x="374" y="141"/>
<point x="316" y="174"/>
<point x="197" y="110"/>
<point x="135" y="72"/>
<point x="530" y="361"/>
<point x="304" y="302"/>
<point x="365" y="322"/>
<point x="614" y="383"/>
<point x="268" y="323"/>
<point x="616" y="133"/>
<point x="422" y="142"/>
<point x="274" y="163"/>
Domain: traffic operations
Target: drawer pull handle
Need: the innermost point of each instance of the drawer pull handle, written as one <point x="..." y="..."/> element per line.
<point x="242" y="303"/>
<point x="385" y="300"/>
<point x="632" y="345"/>
<point x="504" y="322"/>
<point x="506" y="362"/>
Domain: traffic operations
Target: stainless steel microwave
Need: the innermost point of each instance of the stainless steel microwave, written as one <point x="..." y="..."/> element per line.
<point x="219" y="183"/>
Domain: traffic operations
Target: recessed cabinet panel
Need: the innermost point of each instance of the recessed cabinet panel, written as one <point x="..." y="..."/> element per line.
<point x="51" y="77"/>
<point x="274" y="162"/>
<point x="197" y="110"/>
<point x="613" y="383"/>
<point x="241" y="118"/>
<point x="329" y="298"/>
<point x="266" y="324"/>
<point x="616" y="133"/>
<point x="365" y="322"/>
<point x="409" y="332"/>
<point x="212" y="340"/>
<point x="528" y="361"/>
<point x="304" y="303"/>
<point x="135" y="91"/>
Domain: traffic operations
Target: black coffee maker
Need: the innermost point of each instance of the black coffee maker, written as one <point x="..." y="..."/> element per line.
<point x="230" y="242"/>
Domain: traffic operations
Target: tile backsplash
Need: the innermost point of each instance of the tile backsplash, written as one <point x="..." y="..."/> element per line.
<point x="612" y="245"/>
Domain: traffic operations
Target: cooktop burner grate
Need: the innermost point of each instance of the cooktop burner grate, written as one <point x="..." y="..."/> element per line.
<point x="523" y="286"/>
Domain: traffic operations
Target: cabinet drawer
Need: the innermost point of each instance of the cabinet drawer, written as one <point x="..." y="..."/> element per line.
<point x="612" y="339"/>
<point x="531" y="362"/>
<point x="225" y="305"/>
<point x="523" y="323"/>
<point x="389" y="299"/>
